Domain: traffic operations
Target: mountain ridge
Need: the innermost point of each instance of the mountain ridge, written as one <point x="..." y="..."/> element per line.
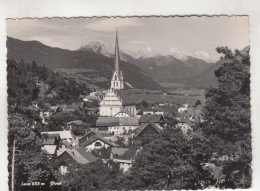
<point x="100" y="67"/>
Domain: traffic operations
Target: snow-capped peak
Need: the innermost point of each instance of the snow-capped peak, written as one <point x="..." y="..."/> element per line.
<point x="99" y="47"/>
<point x="144" y="52"/>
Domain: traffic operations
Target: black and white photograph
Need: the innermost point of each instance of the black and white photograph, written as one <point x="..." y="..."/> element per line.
<point x="129" y="103"/>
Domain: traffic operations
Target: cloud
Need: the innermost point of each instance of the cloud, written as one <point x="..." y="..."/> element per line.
<point x="110" y="24"/>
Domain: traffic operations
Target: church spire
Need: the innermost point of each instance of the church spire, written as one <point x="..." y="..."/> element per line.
<point x="117" y="81"/>
<point x="117" y="60"/>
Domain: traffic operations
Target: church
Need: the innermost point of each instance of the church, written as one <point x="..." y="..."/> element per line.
<point x="116" y="100"/>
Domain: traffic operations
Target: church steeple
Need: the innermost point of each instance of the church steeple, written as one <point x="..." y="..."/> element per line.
<point x="117" y="59"/>
<point x="117" y="78"/>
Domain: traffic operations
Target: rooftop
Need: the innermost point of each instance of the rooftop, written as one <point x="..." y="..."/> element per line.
<point x="129" y="154"/>
<point x="119" y="151"/>
<point x="62" y="134"/>
<point x="50" y="149"/>
<point x="91" y="140"/>
<point x="125" y="111"/>
<point x="142" y="128"/>
<point x="151" y="118"/>
<point x="116" y="121"/>
<point x="80" y="155"/>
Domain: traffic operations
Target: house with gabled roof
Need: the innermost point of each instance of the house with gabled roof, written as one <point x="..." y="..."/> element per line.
<point x="74" y="156"/>
<point x="144" y="133"/>
<point x="64" y="136"/>
<point x="184" y="123"/>
<point x="97" y="142"/>
<point x="158" y="120"/>
<point x="87" y="136"/>
<point x="50" y="143"/>
<point x="123" y="156"/>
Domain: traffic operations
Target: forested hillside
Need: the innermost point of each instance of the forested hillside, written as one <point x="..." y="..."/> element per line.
<point x="28" y="82"/>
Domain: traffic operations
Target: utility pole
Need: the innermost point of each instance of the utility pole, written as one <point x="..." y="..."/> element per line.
<point x="13" y="167"/>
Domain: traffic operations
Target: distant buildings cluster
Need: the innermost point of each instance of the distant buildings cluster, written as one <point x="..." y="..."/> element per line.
<point x="118" y="119"/>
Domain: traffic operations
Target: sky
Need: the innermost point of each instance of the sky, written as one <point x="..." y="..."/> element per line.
<point x="178" y="36"/>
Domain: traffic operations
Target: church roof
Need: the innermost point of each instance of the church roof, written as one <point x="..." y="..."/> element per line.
<point x="107" y="121"/>
<point x="116" y="121"/>
<point x="117" y="59"/>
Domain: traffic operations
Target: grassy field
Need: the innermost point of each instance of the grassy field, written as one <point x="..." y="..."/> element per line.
<point x="177" y="96"/>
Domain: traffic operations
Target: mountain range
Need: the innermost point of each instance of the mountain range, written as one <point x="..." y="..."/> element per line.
<point x="166" y="70"/>
<point x="87" y="66"/>
<point x="93" y="64"/>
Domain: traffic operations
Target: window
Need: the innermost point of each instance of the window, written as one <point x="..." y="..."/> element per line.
<point x="98" y="144"/>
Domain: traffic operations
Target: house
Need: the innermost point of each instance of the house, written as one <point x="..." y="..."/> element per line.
<point x="185" y="124"/>
<point x="90" y="134"/>
<point x="194" y="114"/>
<point x="92" y="111"/>
<point x="74" y="156"/>
<point x="183" y="108"/>
<point x="158" y="120"/>
<point x="153" y="111"/>
<point x="50" y="143"/>
<point x="47" y="113"/>
<point x="157" y="110"/>
<point x="83" y="98"/>
<point x="97" y="143"/>
<point x="123" y="156"/>
<point x="148" y="111"/>
<point x="73" y="107"/>
<point x="74" y="123"/>
<point x="144" y="133"/>
<point x="64" y="136"/>
<point x="117" y="125"/>
<point x="61" y="107"/>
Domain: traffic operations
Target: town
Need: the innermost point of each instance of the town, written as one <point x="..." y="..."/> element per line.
<point x="121" y="126"/>
<point x="89" y="119"/>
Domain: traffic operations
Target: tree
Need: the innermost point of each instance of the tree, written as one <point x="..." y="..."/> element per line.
<point x="198" y="102"/>
<point x="165" y="163"/>
<point x="31" y="164"/>
<point x="228" y="114"/>
<point x="94" y="176"/>
<point x="78" y="130"/>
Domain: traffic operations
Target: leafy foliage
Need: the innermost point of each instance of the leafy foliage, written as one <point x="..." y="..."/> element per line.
<point x="166" y="163"/>
<point x="94" y="176"/>
<point x="31" y="164"/>
<point x="29" y="82"/>
<point x="228" y="118"/>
